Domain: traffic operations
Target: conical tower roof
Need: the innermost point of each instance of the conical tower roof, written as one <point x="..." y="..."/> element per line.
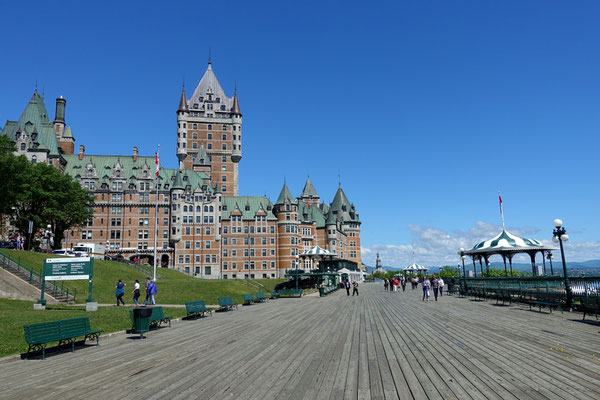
<point x="309" y="190"/>
<point x="285" y="194"/>
<point x="201" y="158"/>
<point x="182" y="101"/>
<point x="235" y="108"/>
<point x="177" y="181"/>
<point x="210" y="84"/>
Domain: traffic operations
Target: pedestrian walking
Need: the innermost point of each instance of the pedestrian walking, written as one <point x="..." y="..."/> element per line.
<point x="403" y="283"/>
<point x="152" y="292"/>
<point x="385" y="284"/>
<point x="148" y="281"/>
<point x="120" y="292"/>
<point x="136" y="292"/>
<point x="395" y="284"/>
<point x="435" y="285"/>
<point x="347" y="285"/>
<point x="354" y="288"/>
<point x="441" y="285"/>
<point x="425" y="284"/>
<point x="19" y="240"/>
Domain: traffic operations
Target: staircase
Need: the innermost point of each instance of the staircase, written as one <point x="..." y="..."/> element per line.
<point x="254" y="284"/>
<point x="30" y="276"/>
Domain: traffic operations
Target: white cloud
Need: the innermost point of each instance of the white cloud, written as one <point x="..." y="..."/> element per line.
<point x="433" y="246"/>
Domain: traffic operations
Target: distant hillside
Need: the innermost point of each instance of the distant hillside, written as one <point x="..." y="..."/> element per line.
<point x="526" y="267"/>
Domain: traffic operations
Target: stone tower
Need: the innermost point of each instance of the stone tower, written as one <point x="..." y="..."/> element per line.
<point x="211" y="120"/>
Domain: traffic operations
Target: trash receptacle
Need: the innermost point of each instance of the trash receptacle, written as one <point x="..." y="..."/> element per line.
<point x="141" y="320"/>
<point x="321" y="291"/>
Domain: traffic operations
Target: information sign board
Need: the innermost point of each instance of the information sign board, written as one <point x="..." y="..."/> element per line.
<point x="66" y="269"/>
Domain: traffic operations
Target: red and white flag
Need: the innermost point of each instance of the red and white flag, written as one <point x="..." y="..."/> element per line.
<point x="157" y="163"/>
<point x="501" y="211"/>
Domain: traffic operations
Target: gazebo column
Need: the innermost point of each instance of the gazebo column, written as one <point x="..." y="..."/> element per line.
<point x="474" y="266"/>
<point x="550" y="258"/>
<point x="481" y="265"/>
<point x="505" y="270"/>
<point x="544" y="263"/>
<point x="533" y="269"/>
<point x="510" y="262"/>
<point x="487" y="264"/>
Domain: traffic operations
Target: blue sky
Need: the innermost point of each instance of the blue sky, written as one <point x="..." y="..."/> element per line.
<point x="425" y="109"/>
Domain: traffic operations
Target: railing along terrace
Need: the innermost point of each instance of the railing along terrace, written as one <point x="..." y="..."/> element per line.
<point x="581" y="287"/>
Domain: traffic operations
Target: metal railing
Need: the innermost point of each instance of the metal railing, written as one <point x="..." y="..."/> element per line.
<point x="581" y="287"/>
<point x="33" y="277"/>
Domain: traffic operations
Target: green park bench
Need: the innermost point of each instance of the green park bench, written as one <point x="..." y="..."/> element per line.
<point x="226" y="303"/>
<point x="156" y="319"/>
<point x="590" y="305"/>
<point x="196" y="308"/>
<point x="540" y="299"/>
<point x="260" y="297"/>
<point x="274" y="294"/>
<point x="324" y="291"/>
<point x="249" y="299"/>
<point x="504" y="295"/>
<point x="38" y="336"/>
<point x="290" y="292"/>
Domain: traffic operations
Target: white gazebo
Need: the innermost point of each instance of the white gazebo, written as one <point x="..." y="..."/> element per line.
<point x="415" y="268"/>
<point x="352" y="275"/>
<point x="506" y="245"/>
<point x="316" y="254"/>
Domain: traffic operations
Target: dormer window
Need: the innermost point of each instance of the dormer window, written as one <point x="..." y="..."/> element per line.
<point x="185" y="178"/>
<point x="195" y="106"/>
<point x="225" y="207"/>
<point x="200" y="99"/>
<point x="33" y="136"/>
<point x="209" y="106"/>
<point x="247" y="208"/>
<point x="222" y="107"/>
<point x="22" y="146"/>
<point x="218" y="99"/>
<point x="118" y="173"/>
<point x="145" y="174"/>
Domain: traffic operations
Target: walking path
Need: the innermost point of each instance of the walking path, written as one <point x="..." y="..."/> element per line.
<point x="379" y="345"/>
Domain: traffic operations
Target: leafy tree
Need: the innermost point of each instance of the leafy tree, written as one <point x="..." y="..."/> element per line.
<point x="13" y="171"/>
<point x="51" y="198"/>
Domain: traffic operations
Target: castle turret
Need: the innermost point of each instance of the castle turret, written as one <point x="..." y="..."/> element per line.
<point x="309" y="195"/>
<point x="236" y="154"/>
<point x="182" y="112"/>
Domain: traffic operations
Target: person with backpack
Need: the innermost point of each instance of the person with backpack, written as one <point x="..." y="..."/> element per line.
<point x="354" y="288"/>
<point x="385" y="284"/>
<point x="347" y="288"/>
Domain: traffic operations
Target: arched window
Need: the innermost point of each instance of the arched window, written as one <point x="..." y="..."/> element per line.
<point x="184" y="208"/>
<point x="211" y="209"/>
<point x="33" y="159"/>
<point x="205" y="208"/>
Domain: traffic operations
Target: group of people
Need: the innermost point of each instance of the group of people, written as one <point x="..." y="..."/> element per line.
<point x="17" y="241"/>
<point x="150" y="292"/>
<point x="346" y="285"/>
<point x="437" y="284"/>
<point x="393" y="283"/>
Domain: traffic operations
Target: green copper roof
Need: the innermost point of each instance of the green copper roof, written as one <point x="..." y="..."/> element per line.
<point x="103" y="168"/>
<point x="248" y="206"/>
<point x="34" y="120"/>
<point x="309" y="190"/>
<point x="341" y="206"/>
<point x="312" y="214"/>
<point x="285" y="194"/>
<point x="67" y="133"/>
<point x="178" y="181"/>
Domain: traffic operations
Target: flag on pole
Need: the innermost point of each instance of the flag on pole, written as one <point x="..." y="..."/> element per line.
<point x="157" y="164"/>
<point x="501" y="211"/>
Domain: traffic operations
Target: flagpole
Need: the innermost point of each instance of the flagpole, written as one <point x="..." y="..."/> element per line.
<point x="156" y="213"/>
<point x="501" y="210"/>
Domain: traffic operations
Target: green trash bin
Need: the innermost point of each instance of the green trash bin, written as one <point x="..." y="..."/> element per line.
<point x="321" y="292"/>
<point x="141" y="320"/>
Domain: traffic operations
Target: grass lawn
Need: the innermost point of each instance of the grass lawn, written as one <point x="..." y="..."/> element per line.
<point x="16" y="313"/>
<point x="173" y="286"/>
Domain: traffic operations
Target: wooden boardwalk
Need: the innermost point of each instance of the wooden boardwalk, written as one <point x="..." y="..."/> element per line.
<point x="379" y="345"/>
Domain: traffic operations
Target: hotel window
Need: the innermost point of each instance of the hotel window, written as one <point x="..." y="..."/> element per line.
<point x="194" y="145"/>
<point x="209" y="106"/>
<point x="195" y="126"/>
<point x="224" y="168"/>
<point x="223" y="188"/>
<point x="209" y="136"/>
<point x="209" y="127"/>
<point x="224" y="136"/>
<point x="223" y="178"/>
<point x="113" y="235"/>
<point x="207" y="245"/>
<point x="195" y="135"/>
<point x="224" y="146"/>
<point x="209" y="146"/>
<point x="207" y="258"/>
<point x="187" y="245"/>
<point x="224" y="159"/>
<point x="224" y="128"/>
<point x="165" y="234"/>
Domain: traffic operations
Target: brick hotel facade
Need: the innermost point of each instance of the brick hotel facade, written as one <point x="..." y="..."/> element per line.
<point x="204" y="227"/>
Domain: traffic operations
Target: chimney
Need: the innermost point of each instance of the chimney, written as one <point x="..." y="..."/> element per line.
<point x="135" y="153"/>
<point x="81" y="151"/>
<point x="59" y="116"/>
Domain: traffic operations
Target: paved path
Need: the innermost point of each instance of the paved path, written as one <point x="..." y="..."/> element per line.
<point x="379" y="345"/>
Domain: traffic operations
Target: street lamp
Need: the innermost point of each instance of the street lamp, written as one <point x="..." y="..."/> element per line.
<point x="560" y="236"/>
<point x="297" y="261"/>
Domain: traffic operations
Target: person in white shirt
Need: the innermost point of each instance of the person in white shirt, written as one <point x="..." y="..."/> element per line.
<point x="441" y="285"/>
<point x="136" y="292"/>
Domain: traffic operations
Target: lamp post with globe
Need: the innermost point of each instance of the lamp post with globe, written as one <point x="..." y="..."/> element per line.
<point x="461" y="253"/>
<point x="560" y="236"/>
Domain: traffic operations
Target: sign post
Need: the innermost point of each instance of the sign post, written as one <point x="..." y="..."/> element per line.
<point x="67" y="269"/>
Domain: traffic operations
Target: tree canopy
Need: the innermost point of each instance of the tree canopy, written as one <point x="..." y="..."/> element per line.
<point x="40" y="193"/>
